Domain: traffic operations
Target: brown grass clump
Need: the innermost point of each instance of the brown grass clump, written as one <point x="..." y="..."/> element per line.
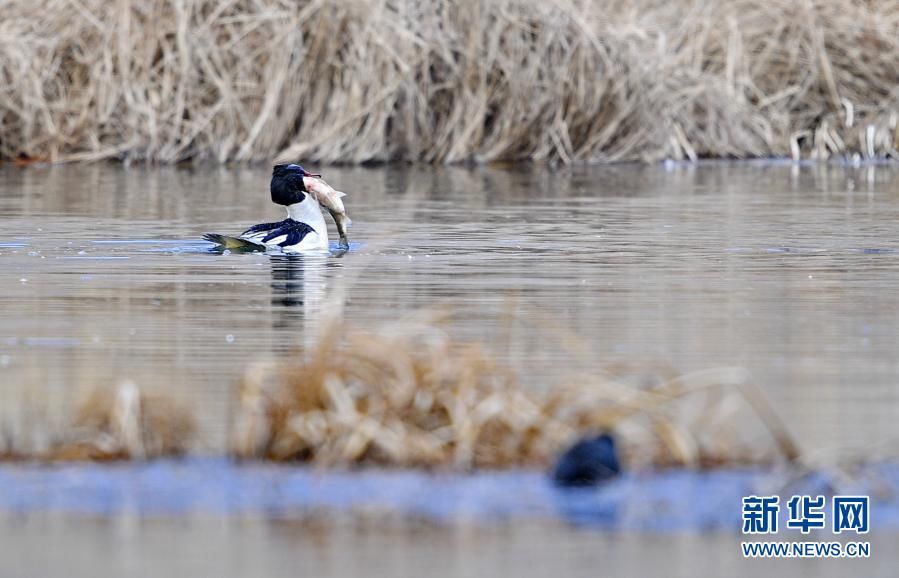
<point x="413" y="397"/>
<point x="125" y="423"/>
<point x="448" y="80"/>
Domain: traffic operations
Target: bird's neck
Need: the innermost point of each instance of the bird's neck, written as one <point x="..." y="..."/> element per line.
<point x="307" y="211"/>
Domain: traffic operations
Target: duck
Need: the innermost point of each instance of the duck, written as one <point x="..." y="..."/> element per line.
<point x="304" y="229"/>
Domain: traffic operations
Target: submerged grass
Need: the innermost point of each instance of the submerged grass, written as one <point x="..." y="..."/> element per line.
<point x="448" y="80"/>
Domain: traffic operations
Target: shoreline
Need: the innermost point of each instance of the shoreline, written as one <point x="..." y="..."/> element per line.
<point x="774" y="161"/>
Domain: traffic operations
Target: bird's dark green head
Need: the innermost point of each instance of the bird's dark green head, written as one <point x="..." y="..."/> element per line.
<point x="287" y="186"/>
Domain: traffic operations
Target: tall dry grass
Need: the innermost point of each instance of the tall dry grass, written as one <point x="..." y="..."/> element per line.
<point x="447" y="80"/>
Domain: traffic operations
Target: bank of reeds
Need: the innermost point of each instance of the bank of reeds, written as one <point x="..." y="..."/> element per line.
<point x="447" y="80"/>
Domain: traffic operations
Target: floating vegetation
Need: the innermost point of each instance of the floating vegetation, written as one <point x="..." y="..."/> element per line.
<point x="448" y="80"/>
<point x="410" y="396"/>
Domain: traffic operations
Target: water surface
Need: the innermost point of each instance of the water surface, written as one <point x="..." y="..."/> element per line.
<point x="789" y="271"/>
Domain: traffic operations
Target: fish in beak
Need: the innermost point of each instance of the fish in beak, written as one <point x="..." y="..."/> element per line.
<point x="331" y="200"/>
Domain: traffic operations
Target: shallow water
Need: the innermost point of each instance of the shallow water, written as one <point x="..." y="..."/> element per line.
<point x="48" y="545"/>
<point x="789" y="271"/>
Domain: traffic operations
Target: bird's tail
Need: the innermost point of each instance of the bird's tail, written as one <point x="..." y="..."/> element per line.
<point x="233" y="243"/>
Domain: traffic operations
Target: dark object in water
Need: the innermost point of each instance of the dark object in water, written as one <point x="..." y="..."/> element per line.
<point x="587" y="462"/>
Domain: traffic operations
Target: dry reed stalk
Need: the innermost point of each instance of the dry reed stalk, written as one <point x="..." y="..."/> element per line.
<point x="411" y="396"/>
<point x="447" y="80"/>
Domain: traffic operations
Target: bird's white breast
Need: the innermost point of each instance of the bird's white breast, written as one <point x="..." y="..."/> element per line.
<point x="309" y="212"/>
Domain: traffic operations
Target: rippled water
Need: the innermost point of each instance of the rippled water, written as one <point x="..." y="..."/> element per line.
<point x="789" y="271"/>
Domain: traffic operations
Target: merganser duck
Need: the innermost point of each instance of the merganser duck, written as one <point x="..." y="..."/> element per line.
<point x="303" y="230"/>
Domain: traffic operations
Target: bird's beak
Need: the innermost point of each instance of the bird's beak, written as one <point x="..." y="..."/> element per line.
<point x="308" y="174"/>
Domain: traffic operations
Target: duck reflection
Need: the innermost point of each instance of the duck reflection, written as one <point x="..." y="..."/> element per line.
<point x="299" y="293"/>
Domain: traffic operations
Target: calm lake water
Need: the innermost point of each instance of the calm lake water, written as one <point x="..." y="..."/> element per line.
<point x="788" y="271"/>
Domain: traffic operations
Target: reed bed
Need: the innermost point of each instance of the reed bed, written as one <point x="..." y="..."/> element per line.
<point x="410" y="396"/>
<point x="357" y="81"/>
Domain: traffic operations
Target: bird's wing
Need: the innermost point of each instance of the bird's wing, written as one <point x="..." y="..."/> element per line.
<point x="289" y="234"/>
<point x="262" y="229"/>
